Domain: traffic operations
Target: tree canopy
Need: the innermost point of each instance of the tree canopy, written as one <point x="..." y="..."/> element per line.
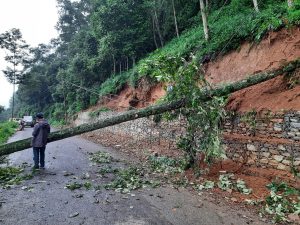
<point x="100" y="41"/>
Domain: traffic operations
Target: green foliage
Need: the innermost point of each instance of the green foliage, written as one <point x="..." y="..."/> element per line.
<point x="203" y="118"/>
<point x="225" y="182"/>
<point x="8" y="174"/>
<point x="17" y="53"/>
<point x="250" y="118"/>
<point x="282" y="187"/>
<point x="95" y="55"/>
<point x="282" y="201"/>
<point x="1" y="109"/>
<point x="6" y="130"/>
<point x="241" y="187"/>
<point x="270" y="19"/>
<point x="166" y="165"/>
<point x="206" y="185"/>
<point x="294" y="13"/>
<point x="108" y="169"/>
<point x="12" y="176"/>
<point x="292" y="79"/>
<point x="113" y="84"/>
<point x="224" y="37"/>
<point x="97" y="112"/>
<point x="101" y="157"/>
<point x="73" y="186"/>
<point x="56" y="123"/>
<point x="126" y="180"/>
<point x="88" y="185"/>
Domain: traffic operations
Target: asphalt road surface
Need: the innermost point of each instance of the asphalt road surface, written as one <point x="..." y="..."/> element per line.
<point x="44" y="200"/>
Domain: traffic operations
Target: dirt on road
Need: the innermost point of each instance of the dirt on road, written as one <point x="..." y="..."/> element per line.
<point x="44" y="199"/>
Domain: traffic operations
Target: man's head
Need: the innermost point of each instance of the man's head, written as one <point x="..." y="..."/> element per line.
<point x="39" y="116"/>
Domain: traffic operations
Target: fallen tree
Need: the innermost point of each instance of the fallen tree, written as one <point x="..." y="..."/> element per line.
<point x="153" y="110"/>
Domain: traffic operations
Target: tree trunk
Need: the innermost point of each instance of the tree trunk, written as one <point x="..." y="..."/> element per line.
<point x="133" y="66"/>
<point x="13" y="100"/>
<point x="58" y="135"/>
<point x="290" y="3"/>
<point x="207" y="7"/>
<point x="152" y="110"/>
<point x="175" y="18"/>
<point x="204" y="20"/>
<point x="154" y="35"/>
<point x="14" y="89"/>
<point x="255" y="5"/>
<point x="65" y="104"/>
<point x="158" y="29"/>
<point x="114" y="62"/>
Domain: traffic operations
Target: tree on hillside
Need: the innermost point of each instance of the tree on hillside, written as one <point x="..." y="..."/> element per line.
<point x="1" y="108"/>
<point x="204" y="20"/>
<point x="255" y="5"/>
<point x="125" y="36"/>
<point x="175" y="18"/>
<point x="155" y="8"/>
<point x="17" y="56"/>
<point x="72" y="17"/>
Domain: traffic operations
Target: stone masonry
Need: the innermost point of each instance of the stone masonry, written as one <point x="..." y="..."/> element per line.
<point x="266" y="140"/>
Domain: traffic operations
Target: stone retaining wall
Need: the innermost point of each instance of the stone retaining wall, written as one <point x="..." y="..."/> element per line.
<point x="279" y="125"/>
<point x="262" y="140"/>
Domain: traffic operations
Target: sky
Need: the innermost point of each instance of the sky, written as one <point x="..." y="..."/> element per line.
<point x="36" y="19"/>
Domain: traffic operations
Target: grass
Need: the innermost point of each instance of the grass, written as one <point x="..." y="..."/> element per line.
<point x="7" y="129"/>
<point x="96" y="113"/>
<point x="229" y="27"/>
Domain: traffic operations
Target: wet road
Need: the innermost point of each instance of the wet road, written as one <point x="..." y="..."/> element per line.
<point x="45" y="200"/>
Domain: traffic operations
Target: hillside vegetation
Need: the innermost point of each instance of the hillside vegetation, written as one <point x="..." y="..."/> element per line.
<point x="6" y="130"/>
<point x="104" y="44"/>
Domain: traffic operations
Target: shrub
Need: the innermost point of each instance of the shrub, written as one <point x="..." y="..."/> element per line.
<point x="6" y="130"/>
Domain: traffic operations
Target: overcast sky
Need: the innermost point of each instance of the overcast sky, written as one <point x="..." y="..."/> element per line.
<point x="36" y="20"/>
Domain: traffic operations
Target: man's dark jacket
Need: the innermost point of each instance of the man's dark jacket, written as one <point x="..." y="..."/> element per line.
<point x="40" y="134"/>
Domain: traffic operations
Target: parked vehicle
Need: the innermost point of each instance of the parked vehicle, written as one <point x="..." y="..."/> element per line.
<point x="28" y="121"/>
<point x="17" y="120"/>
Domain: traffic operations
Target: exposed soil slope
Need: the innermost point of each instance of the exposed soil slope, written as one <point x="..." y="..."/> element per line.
<point x="276" y="49"/>
<point x="270" y="95"/>
<point x="140" y="97"/>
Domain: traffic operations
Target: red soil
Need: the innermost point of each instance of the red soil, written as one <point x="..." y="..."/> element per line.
<point x="275" y="50"/>
<point x="271" y="95"/>
<point x="255" y="178"/>
<point x="145" y="95"/>
<point x="275" y="95"/>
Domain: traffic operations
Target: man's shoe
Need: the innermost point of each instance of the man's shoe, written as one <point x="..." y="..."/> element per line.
<point x="35" y="168"/>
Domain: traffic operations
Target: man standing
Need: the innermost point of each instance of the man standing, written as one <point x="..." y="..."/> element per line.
<point x="39" y="141"/>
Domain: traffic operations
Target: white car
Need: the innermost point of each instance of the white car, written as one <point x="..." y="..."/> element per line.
<point x="28" y="121"/>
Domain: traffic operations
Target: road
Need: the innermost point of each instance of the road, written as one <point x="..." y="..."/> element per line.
<point x="45" y="200"/>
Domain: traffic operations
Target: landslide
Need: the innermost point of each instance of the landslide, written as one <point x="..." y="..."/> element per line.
<point x="274" y="50"/>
